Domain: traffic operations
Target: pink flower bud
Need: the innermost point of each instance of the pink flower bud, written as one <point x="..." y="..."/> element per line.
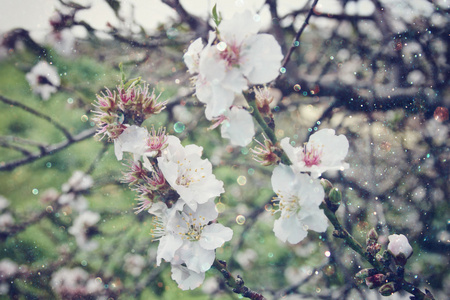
<point x="399" y="245"/>
<point x="375" y="281"/>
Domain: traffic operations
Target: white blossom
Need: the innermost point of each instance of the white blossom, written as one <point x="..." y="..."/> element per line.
<point x="239" y="56"/>
<point x="298" y="200"/>
<point x="187" y="236"/>
<point x="398" y="244"/>
<point x="188" y="174"/>
<point x="43" y="79"/>
<point x="324" y="151"/>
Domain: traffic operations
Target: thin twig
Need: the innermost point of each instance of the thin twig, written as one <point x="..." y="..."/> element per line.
<point x="299" y="33"/>
<point x="38" y="114"/>
<point x="8" y="166"/>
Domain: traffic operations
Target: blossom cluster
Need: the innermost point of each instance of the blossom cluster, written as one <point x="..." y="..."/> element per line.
<point x="131" y="102"/>
<point x="299" y="191"/>
<point x="177" y="187"/>
<point x="234" y="57"/>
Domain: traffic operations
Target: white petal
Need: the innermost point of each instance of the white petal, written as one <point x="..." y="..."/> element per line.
<point x="239" y="27"/>
<point x="289" y="229"/>
<point x="316" y="221"/>
<point x="192" y="56"/>
<point x="196" y="258"/>
<point x="187" y="279"/>
<point x="239" y="128"/>
<point x="261" y="58"/>
<point x="133" y="139"/>
<point x="282" y="180"/>
<point x="214" y="236"/>
<point x="167" y="247"/>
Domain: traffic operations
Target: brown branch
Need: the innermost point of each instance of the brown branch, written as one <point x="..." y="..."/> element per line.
<point x="299" y="33"/>
<point x="38" y="114"/>
<point x="237" y="284"/>
<point x="8" y="166"/>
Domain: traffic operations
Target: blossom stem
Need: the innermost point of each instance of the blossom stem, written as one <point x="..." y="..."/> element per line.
<point x="340" y="232"/>
<point x="237" y="284"/>
<point x="250" y="97"/>
<point x="299" y="33"/>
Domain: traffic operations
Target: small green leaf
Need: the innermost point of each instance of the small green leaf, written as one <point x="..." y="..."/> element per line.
<point x="134" y="81"/>
<point x="122" y="73"/>
<point x="216" y="17"/>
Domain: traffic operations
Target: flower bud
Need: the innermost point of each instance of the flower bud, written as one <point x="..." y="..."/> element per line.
<point x="400" y="248"/>
<point x="387" y="289"/>
<point x="372" y="235"/>
<point x="364" y="273"/>
<point x="327" y="186"/>
<point x="335" y="196"/>
<point x="375" y="281"/>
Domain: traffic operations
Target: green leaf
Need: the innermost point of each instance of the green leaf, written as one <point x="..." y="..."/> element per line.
<point x="216" y="17"/>
<point x="122" y="73"/>
<point x="134" y="81"/>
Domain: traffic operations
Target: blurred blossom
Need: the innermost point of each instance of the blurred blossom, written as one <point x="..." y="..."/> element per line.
<point x="246" y="258"/>
<point x="43" y="79"/>
<point x="134" y="264"/>
<point x="182" y="114"/>
<point x="79" y="181"/>
<point x="6" y="220"/>
<point x="62" y="41"/>
<point x="210" y="286"/>
<point x="8" y="268"/>
<point x="76" y="202"/>
<point x="437" y="131"/>
<point x="49" y="195"/>
<point x="82" y="229"/>
<point x="4" y="203"/>
<point x="70" y="283"/>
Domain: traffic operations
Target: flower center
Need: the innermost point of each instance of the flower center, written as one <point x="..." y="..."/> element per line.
<point x="194" y="227"/>
<point x="312" y="155"/>
<point x="287" y="204"/>
<point x="230" y="54"/>
<point x="186" y="175"/>
<point x="159" y="228"/>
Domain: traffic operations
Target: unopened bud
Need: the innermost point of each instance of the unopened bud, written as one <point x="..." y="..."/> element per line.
<point x="387" y="289"/>
<point x="335" y="196"/>
<point x="327" y="186"/>
<point x="364" y="273"/>
<point x="400" y="248"/>
<point x="375" y="281"/>
<point x="372" y="235"/>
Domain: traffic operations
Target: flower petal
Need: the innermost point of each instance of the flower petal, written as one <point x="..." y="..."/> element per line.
<point x="187" y="279"/>
<point x="214" y="236"/>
